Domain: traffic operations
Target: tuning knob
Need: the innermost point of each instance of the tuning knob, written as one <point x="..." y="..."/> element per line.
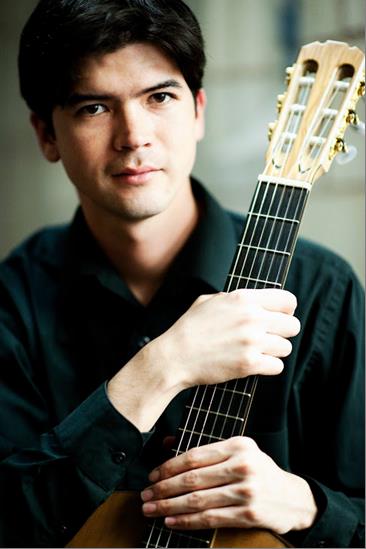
<point x="361" y="88"/>
<point x="340" y="146"/>
<point x="271" y="128"/>
<point x="347" y="156"/>
<point x="280" y="99"/>
<point x="289" y="73"/>
<point x="353" y="119"/>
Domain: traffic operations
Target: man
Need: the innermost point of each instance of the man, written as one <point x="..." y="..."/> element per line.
<point x="107" y="323"/>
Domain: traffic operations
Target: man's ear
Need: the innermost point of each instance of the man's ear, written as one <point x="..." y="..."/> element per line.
<point x="46" y="138"/>
<point x="201" y="101"/>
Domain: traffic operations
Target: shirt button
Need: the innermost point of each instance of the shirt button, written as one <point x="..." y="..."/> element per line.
<point x="118" y="457"/>
<point x="143" y="341"/>
<point x="63" y="530"/>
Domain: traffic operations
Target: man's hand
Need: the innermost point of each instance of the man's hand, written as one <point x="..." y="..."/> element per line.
<point x="228" y="484"/>
<point x="221" y="337"/>
<point x="230" y="335"/>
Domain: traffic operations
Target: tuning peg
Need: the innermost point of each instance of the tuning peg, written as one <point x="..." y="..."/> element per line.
<point x="271" y="128"/>
<point x="353" y="119"/>
<point x="347" y="155"/>
<point x="289" y="73"/>
<point x="361" y="88"/>
<point x="280" y="99"/>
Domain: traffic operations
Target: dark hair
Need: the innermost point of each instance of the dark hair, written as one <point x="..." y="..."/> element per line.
<point x="60" y="33"/>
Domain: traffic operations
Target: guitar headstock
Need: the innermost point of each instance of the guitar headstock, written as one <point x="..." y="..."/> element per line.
<point x="324" y="86"/>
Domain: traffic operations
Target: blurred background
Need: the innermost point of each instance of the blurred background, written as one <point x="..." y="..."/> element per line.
<point x="249" y="44"/>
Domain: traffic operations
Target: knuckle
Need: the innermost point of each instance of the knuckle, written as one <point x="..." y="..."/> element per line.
<point x="208" y="519"/>
<point x="251" y="516"/>
<point x="165" y="471"/>
<point x="238" y="443"/>
<point x="240" y="470"/>
<point x="239" y="296"/>
<point x="194" y="501"/>
<point x="192" y="458"/>
<point x="190" y="479"/>
<point x="165" y="507"/>
<point x="160" y="490"/>
<point x="244" y="491"/>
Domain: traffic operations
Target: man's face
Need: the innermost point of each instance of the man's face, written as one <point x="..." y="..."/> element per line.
<point x="127" y="137"/>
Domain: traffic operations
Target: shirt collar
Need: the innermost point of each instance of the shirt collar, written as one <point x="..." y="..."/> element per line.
<point x="209" y="251"/>
<point x="207" y="255"/>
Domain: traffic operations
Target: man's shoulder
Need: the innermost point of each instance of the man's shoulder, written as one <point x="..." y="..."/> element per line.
<point x="46" y="246"/>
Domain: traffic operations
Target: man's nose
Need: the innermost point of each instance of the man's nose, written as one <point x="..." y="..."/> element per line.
<point x="132" y="129"/>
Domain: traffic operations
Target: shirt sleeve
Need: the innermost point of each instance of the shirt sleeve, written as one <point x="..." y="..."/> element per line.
<point x="330" y="405"/>
<point x="52" y="477"/>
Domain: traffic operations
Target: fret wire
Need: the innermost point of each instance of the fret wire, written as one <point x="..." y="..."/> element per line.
<point x="213" y="427"/>
<point x="229" y="408"/>
<point x="269" y="233"/>
<point x="220" y="414"/>
<point x="196" y="395"/>
<point x="246" y="227"/>
<point x="276" y="218"/>
<point x="263" y="249"/>
<point x="265" y="194"/>
<point x="199" y="434"/>
<point x="253" y="279"/>
<point x="303" y="195"/>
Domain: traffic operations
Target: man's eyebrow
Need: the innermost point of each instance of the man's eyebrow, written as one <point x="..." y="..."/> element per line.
<point x="166" y="84"/>
<point x="76" y="98"/>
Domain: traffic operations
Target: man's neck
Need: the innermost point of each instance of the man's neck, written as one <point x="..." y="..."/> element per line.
<point x="142" y="251"/>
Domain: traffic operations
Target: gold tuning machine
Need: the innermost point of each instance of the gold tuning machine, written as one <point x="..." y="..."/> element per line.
<point x="361" y="88"/>
<point x="352" y="118"/>
<point x="289" y="72"/>
<point x="338" y="147"/>
<point x="271" y="128"/>
<point x="280" y="99"/>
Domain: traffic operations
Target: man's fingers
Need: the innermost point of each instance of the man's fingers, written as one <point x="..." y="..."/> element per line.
<point x="282" y="324"/>
<point x="193" y="459"/>
<point x="270" y="299"/>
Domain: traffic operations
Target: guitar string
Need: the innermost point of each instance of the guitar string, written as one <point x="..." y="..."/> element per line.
<point x="306" y="88"/>
<point x="302" y="192"/>
<point x="288" y="148"/>
<point x="301" y="203"/>
<point x="190" y="438"/>
<point x="207" y="413"/>
<point x="303" y="97"/>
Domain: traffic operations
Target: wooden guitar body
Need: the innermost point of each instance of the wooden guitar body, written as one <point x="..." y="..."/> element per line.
<point x="120" y="523"/>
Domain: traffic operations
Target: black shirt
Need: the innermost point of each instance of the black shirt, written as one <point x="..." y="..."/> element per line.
<point x="68" y="323"/>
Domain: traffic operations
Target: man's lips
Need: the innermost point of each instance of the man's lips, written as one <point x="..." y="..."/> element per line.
<point x="135" y="175"/>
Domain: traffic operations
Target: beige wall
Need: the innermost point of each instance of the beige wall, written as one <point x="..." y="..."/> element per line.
<point x="245" y="74"/>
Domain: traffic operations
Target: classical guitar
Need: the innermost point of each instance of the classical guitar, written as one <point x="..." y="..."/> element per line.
<point x="324" y="86"/>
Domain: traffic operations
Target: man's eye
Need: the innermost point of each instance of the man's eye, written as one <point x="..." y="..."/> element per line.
<point x="161" y="97"/>
<point x="93" y="110"/>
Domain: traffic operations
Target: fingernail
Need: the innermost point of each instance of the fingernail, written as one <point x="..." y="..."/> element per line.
<point x="149" y="508"/>
<point x="154" y="475"/>
<point x="146" y="495"/>
<point x="170" y="521"/>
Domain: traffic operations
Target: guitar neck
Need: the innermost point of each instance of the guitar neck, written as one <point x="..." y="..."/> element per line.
<point x="218" y="412"/>
<point x="262" y="260"/>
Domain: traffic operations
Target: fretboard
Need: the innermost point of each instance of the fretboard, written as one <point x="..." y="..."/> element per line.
<point x="262" y="260"/>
